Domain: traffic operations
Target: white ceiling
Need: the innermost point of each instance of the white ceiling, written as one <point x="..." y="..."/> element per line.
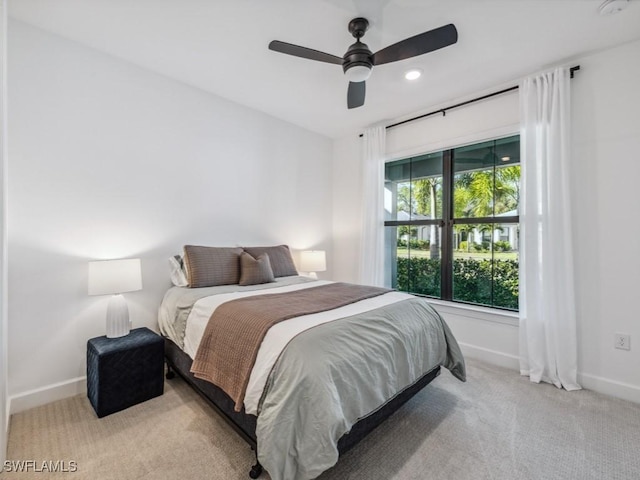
<point x="221" y="46"/>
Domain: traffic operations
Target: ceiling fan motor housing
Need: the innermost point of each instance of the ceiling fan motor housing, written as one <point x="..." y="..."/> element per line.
<point x="357" y="62"/>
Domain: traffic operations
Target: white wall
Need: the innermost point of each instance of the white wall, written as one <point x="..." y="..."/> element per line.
<point x="347" y="206"/>
<point x="490" y="118"/>
<point x="4" y="346"/>
<point x="606" y="156"/>
<point x="108" y="160"/>
<point x="606" y="139"/>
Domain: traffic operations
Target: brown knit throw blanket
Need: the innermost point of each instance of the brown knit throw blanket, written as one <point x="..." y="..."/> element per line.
<point x="230" y="343"/>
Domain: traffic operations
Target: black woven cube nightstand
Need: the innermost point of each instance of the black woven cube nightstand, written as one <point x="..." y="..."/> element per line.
<point x="124" y="371"/>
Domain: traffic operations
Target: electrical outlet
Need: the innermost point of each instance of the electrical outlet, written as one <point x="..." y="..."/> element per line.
<point x="622" y="341"/>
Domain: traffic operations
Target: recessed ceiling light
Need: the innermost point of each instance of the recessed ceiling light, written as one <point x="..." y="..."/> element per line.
<point x="413" y="74"/>
<point x="505" y="159"/>
<point x="609" y="7"/>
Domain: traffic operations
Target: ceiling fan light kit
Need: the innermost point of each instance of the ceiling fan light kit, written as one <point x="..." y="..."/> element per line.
<point x="358" y="73"/>
<point x="357" y="63"/>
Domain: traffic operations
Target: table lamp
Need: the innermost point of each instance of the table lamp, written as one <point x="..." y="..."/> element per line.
<point x="313" y="261"/>
<point x="115" y="277"/>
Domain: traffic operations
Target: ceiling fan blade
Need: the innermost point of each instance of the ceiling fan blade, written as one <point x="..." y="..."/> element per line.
<point x="355" y="94"/>
<point x="303" y="52"/>
<point x="423" y="43"/>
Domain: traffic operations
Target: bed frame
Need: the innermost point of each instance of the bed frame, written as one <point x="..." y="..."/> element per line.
<point x="245" y="424"/>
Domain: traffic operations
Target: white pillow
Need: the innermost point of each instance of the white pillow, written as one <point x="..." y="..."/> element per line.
<point x="178" y="273"/>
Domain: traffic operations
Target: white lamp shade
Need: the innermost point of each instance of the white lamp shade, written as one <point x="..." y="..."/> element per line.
<point x="114" y="276"/>
<point x="313" y="261"/>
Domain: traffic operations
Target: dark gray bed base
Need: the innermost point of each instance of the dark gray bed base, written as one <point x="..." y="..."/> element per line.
<point x="245" y="424"/>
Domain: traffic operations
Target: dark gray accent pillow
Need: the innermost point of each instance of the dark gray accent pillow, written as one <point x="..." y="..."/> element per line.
<point x="280" y="258"/>
<point x="211" y="266"/>
<point x="255" y="270"/>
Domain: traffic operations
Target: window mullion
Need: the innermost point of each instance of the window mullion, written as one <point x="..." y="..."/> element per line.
<point x="446" y="246"/>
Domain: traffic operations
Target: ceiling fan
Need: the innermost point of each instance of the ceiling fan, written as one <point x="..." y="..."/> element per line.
<point x="358" y="61"/>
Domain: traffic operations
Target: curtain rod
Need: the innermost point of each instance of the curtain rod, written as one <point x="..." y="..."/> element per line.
<point x="443" y="111"/>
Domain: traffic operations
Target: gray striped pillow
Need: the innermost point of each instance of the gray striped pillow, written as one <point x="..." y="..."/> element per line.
<point x="255" y="270"/>
<point x="280" y="258"/>
<point x="211" y="266"/>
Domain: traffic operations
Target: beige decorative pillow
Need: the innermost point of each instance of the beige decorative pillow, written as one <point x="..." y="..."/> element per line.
<point x="255" y="270"/>
<point x="211" y="266"/>
<point x="280" y="258"/>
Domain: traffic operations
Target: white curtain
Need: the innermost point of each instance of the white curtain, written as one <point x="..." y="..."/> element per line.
<point x="372" y="231"/>
<point x="548" y="340"/>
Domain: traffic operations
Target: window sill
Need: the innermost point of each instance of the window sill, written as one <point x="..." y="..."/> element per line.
<point x="476" y="312"/>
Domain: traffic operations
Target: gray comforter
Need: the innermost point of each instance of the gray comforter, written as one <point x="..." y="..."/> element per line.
<point x="330" y="376"/>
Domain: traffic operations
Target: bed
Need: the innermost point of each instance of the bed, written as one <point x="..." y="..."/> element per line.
<point x="329" y="362"/>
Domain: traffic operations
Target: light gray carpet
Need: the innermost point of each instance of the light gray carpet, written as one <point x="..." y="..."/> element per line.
<point x="496" y="426"/>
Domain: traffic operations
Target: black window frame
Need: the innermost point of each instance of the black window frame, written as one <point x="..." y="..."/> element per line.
<point x="446" y="226"/>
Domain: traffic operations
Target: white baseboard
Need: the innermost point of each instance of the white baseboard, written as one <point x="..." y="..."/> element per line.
<point x="613" y="388"/>
<point x="622" y="390"/>
<point x="47" y="394"/>
<point x="493" y="357"/>
<point x="75" y="386"/>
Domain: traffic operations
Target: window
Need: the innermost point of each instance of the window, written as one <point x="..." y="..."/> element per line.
<point x="452" y="225"/>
